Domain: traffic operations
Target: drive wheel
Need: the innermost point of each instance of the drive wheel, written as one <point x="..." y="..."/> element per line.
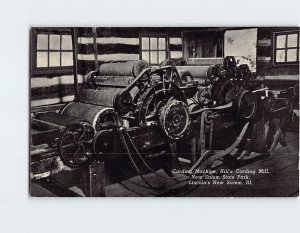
<point x="74" y="145"/>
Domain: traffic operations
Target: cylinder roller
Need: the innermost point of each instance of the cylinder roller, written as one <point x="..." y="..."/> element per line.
<point x="97" y="116"/>
<point x="128" y="68"/>
<point x="101" y="96"/>
<point x="198" y="72"/>
<point x="112" y="81"/>
<point x="53" y="120"/>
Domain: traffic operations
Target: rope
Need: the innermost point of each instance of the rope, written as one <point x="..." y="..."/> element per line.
<point x="215" y="108"/>
<point x="133" y="163"/>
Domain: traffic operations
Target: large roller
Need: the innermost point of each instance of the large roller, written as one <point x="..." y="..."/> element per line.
<point x="128" y="68"/>
<point x="204" y="61"/>
<point x="104" y="96"/>
<point x="198" y="72"/>
<point x="113" y="81"/>
<point x="94" y="114"/>
<point x="109" y="97"/>
<point x="52" y="120"/>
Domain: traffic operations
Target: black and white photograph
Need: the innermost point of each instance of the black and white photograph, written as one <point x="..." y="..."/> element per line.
<point x="164" y="111"/>
<point x="149" y="116"/>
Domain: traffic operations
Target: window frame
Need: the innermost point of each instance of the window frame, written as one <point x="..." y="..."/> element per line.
<point x="286" y="33"/>
<point x="167" y="49"/>
<point x="49" y="71"/>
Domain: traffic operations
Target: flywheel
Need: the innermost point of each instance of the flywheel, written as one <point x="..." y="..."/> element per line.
<point x="174" y="119"/>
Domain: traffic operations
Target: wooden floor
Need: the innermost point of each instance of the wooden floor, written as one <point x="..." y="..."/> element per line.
<point x="282" y="180"/>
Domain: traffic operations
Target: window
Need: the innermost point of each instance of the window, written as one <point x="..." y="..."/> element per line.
<point x="154" y="49"/>
<point x="286" y="46"/>
<point x="51" y="51"/>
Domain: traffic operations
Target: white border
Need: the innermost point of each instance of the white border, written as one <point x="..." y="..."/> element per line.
<point x="19" y="213"/>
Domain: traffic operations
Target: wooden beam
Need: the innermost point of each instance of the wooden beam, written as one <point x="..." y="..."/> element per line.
<point x="93" y="177"/>
<point x="74" y="45"/>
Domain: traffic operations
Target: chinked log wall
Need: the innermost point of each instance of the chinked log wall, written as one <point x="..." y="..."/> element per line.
<point x="120" y="44"/>
<point x="277" y="77"/>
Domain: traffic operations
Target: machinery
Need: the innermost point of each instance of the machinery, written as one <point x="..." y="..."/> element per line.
<point x="129" y="108"/>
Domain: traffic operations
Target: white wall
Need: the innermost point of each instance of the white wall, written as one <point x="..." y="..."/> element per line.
<point x="242" y="45"/>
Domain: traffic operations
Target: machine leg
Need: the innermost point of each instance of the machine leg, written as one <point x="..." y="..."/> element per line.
<point x="278" y="137"/>
<point x="193" y="149"/>
<point x="174" y="155"/>
<point x="201" y="142"/>
<point x="211" y="129"/>
<point x="94" y="179"/>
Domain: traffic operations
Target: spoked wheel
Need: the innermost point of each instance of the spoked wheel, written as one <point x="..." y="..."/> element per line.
<point x="75" y="144"/>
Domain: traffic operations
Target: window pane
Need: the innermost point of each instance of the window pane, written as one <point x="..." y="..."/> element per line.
<point x="291" y="55"/>
<point x="42" y="59"/>
<point x="145" y="43"/>
<point x="281" y="41"/>
<point x="280" y="56"/>
<point x="145" y="56"/>
<point x="292" y="40"/>
<point x="153" y="43"/>
<point x="162" y="56"/>
<point x="162" y="43"/>
<point x="153" y="58"/>
<point x="42" y="41"/>
<point x="66" y="42"/>
<point x="54" y="42"/>
<point x="66" y="59"/>
<point x="54" y="59"/>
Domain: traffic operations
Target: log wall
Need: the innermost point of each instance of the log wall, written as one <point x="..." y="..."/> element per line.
<point x="277" y="76"/>
<point x="121" y="44"/>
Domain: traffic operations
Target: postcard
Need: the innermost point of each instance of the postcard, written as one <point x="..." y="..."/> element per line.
<point x="164" y="111"/>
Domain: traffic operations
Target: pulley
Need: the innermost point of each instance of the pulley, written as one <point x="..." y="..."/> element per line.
<point x="223" y="92"/>
<point x="243" y="71"/>
<point x="246" y="105"/>
<point x="105" y="142"/>
<point x="174" y="119"/>
<point x="155" y="98"/>
<point x="230" y="65"/>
